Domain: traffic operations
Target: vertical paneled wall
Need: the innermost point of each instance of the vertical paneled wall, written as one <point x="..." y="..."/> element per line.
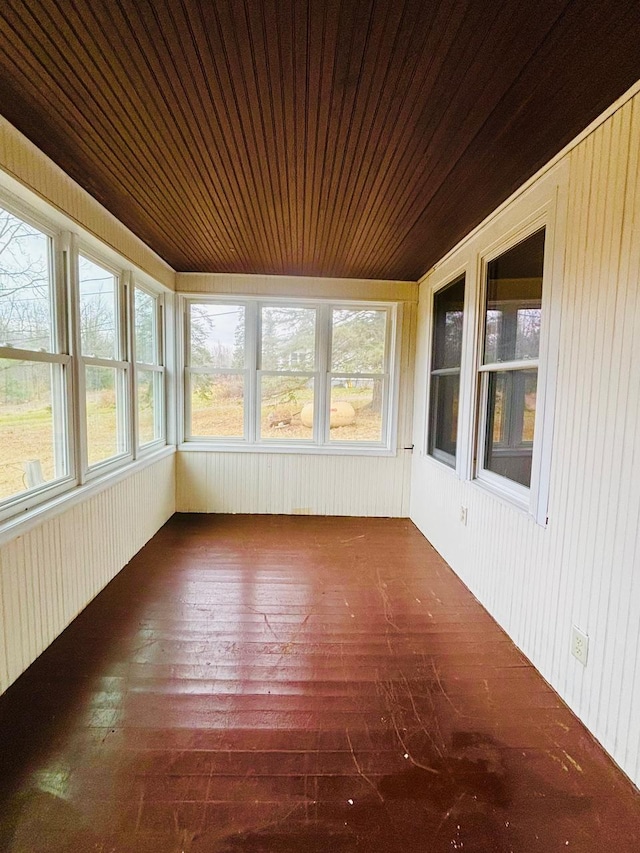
<point x="48" y="575"/>
<point x="584" y="568"/>
<point x="209" y="481"/>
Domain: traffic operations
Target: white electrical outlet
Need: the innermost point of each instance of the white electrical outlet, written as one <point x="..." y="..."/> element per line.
<point x="463" y="515"/>
<point x="579" y="645"/>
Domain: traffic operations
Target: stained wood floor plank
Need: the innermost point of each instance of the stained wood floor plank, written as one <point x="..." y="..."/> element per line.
<point x="297" y="684"/>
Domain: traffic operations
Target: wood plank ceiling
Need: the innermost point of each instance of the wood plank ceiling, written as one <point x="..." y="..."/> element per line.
<point x="355" y="138"/>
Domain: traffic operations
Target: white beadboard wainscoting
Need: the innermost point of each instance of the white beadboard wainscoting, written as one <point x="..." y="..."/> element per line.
<point x="294" y="483"/>
<point x="49" y="574"/>
<point x="584" y="567"/>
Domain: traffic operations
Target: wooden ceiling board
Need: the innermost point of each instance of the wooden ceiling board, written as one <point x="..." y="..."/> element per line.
<point x="343" y="138"/>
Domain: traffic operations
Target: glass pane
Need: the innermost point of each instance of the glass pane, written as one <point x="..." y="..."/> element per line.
<point x="511" y="414"/>
<point x="25" y="285"/>
<point x="444" y="416"/>
<point x="217" y="335"/>
<point x="286" y="410"/>
<point x="217" y="405"/>
<point x="31" y="436"/>
<point x="288" y="338"/>
<point x="105" y="434"/>
<point x="98" y="311"/>
<point x="514" y="299"/>
<point x="358" y="340"/>
<point x="145" y="327"/>
<point x="149" y="406"/>
<point x="356" y="409"/>
<point x="448" y="307"/>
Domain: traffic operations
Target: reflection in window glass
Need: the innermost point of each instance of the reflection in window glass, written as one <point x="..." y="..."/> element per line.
<point x="25" y="286"/>
<point x="514" y="300"/>
<point x="288" y="338"/>
<point x="448" y="317"/>
<point x="355" y="412"/>
<point x="444" y="402"/>
<point x="145" y="327"/>
<point x="287" y="407"/>
<point x="217" y="335"/>
<point x="217" y="405"/>
<point x="358" y="340"/>
<point x="105" y="435"/>
<point x="98" y="312"/>
<point x="510" y="423"/>
<point x="32" y="443"/>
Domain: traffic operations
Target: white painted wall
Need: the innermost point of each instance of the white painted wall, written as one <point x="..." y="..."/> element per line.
<point x="323" y="484"/>
<point x="584" y="568"/>
<point x="50" y="573"/>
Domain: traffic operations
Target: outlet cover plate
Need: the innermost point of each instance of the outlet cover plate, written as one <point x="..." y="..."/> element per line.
<point x="579" y="645"/>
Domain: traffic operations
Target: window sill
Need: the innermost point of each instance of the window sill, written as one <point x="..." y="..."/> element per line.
<point x="290" y="449"/>
<point x="515" y="502"/>
<point x="22" y="523"/>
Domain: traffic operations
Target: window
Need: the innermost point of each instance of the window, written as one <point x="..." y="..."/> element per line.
<point x="448" y="315"/>
<point x="103" y="355"/>
<point x="149" y="367"/>
<point x="358" y="376"/>
<point x="294" y="374"/>
<point x="509" y="370"/>
<point x="216" y="372"/>
<point x="70" y="409"/>
<point x="288" y="376"/>
<point x="34" y="368"/>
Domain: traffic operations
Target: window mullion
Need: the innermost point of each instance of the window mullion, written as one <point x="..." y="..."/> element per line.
<point x="130" y="391"/>
<point x="78" y="372"/>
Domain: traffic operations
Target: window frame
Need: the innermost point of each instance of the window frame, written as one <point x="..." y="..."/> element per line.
<point x="446" y="459"/>
<point x="59" y="354"/>
<point x="540" y="205"/>
<point x="321" y="443"/>
<point x="533" y="498"/>
<point x="67" y="242"/>
<point x="157" y="367"/>
<point x="314" y="374"/>
<point x="122" y="365"/>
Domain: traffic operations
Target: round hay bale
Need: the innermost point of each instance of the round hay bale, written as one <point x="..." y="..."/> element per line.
<point x="306" y="415"/>
<point x="341" y="414"/>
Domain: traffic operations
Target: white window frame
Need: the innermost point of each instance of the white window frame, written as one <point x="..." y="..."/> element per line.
<point x="157" y="367"/>
<point x="542" y="205"/>
<point x="21" y="511"/>
<point x="442" y="283"/>
<point x="122" y="365"/>
<point x="26" y="500"/>
<point x="315" y="374"/>
<point x="321" y="442"/>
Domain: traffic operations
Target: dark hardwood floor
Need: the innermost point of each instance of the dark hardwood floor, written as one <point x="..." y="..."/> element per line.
<point x="297" y="684"/>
